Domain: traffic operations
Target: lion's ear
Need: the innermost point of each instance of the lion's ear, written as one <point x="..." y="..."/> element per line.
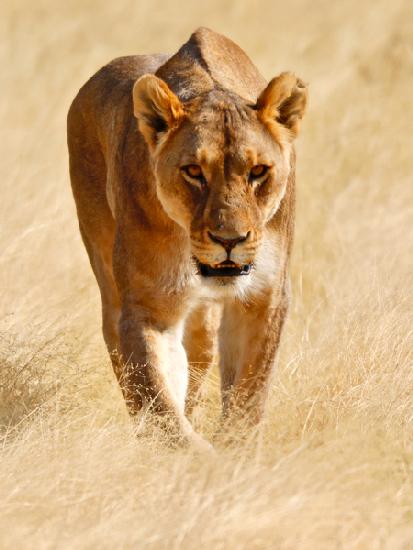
<point x="284" y="101"/>
<point x="156" y="107"/>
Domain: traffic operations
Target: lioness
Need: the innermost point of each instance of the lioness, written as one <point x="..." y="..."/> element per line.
<point x="187" y="216"/>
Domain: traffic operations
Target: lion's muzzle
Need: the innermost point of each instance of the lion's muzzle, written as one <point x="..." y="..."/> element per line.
<point x="224" y="253"/>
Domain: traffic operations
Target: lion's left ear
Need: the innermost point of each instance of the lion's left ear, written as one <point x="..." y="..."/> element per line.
<point x="284" y="101"/>
<point x="156" y="107"/>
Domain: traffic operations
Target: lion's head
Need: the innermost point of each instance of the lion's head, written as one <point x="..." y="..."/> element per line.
<point x="221" y="164"/>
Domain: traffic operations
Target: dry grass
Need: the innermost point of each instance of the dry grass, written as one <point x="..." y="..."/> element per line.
<point x="333" y="465"/>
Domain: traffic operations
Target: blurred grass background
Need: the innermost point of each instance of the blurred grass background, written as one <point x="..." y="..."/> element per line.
<point x="333" y="465"/>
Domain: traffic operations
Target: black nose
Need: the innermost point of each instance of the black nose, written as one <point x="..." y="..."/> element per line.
<point x="226" y="242"/>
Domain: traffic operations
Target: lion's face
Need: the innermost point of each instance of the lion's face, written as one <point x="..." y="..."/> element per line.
<point x="221" y="168"/>
<point x="221" y="176"/>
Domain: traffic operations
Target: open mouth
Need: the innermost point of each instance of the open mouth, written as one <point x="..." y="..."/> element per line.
<point x="224" y="269"/>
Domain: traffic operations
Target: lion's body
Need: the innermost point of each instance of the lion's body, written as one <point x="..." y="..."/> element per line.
<point x="137" y="235"/>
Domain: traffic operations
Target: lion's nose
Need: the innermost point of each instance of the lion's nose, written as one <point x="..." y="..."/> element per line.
<point x="228" y="242"/>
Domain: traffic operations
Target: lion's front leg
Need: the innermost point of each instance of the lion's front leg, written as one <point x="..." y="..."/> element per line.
<point x="200" y="341"/>
<point x="155" y="368"/>
<point x="249" y="341"/>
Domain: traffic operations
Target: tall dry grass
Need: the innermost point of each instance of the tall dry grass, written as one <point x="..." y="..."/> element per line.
<point x="332" y="466"/>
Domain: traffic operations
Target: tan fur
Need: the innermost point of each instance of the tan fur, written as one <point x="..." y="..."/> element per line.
<point x="143" y="222"/>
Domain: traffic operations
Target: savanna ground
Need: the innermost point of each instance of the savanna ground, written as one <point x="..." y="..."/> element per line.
<point x="332" y="466"/>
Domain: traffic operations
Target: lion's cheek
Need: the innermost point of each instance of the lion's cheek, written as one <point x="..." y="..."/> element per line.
<point x="269" y="200"/>
<point x="175" y="207"/>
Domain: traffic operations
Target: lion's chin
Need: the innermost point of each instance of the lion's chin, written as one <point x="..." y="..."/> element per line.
<point x="223" y="269"/>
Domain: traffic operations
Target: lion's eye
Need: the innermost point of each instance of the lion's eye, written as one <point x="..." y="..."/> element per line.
<point x="258" y="171"/>
<point x="193" y="171"/>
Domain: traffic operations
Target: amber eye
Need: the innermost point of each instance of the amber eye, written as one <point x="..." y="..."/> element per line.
<point x="193" y="171"/>
<point x="258" y="171"/>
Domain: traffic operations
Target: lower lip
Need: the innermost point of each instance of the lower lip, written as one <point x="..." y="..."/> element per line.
<point x="229" y="271"/>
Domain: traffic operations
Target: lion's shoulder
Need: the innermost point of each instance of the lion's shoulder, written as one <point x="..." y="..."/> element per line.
<point x="112" y="84"/>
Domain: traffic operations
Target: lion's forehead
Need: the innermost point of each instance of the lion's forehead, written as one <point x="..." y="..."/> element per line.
<point x="225" y="135"/>
<point x="223" y="110"/>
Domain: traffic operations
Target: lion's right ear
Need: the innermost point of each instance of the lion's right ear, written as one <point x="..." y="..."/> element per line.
<point x="156" y="107"/>
<point x="283" y="101"/>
